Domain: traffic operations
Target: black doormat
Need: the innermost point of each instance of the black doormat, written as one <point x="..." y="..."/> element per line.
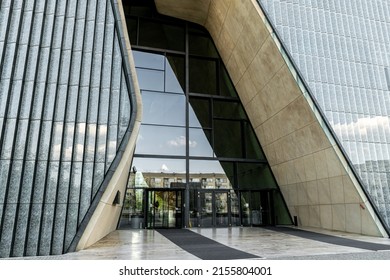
<point x="336" y="240"/>
<point x="203" y="247"/>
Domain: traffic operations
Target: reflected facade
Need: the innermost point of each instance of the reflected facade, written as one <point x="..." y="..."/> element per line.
<point x="196" y="146"/>
<point x="342" y="51"/>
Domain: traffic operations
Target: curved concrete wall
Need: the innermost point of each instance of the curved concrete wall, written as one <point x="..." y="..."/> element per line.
<point x="107" y="213"/>
<point x="313" y="174"/>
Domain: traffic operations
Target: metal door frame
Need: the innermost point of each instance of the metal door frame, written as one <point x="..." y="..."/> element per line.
<point x="213" y="206"/>
<point x="152" y="192"/>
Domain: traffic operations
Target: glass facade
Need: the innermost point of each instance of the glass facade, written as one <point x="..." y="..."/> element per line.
<point x="195" y="139"/>
<point x="65" y="110"/>
<point x="342" y="49"/>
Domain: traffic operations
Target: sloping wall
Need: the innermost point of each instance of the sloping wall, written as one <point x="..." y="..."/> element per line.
<point x="314" y="176"/>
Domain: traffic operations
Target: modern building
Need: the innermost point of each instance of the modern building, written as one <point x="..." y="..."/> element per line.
<point x="207" y="113"/>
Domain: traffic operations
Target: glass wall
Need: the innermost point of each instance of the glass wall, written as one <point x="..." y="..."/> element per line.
<point x="195" y="134"/>
<point x="342" y="50"/>
<point x="65" y="109"/>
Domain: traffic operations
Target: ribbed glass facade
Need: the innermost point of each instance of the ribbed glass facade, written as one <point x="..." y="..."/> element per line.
<point x="342" y="50"/>
<point x="64" y="111"/>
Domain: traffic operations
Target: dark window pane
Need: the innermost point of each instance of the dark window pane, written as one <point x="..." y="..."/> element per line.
<point x="132" y="29"/>
<point x="199" y="112"/>
<point x="252" y="146"/>
<point x="175" y="74"/>
<point x="255" y="176"/>
<point x="226" y="88"/>
<point x="228" y="110"/>
<point x="201" y="45"/>
<point x="203" y="76"/>
<point x="160" y="35"/>
<point x="227" y="139"/>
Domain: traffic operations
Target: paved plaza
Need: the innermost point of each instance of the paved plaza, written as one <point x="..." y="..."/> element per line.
<point x="265" y="243"/>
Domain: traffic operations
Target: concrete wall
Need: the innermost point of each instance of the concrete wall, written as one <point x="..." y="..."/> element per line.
<point x="312" y="173"/>
<point x="106" y="216"/>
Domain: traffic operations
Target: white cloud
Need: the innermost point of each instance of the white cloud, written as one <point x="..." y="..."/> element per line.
<point x="180" y="142"/>
<point x="164" y="167"/>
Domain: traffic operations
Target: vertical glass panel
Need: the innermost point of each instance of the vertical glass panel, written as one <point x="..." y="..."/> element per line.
<point x="27" y="183"/>
<point x="86" y="188"/>
<point x="206" y="209"/>
<point x="20" y="139"/>
<point x="231" y="130"/>
<point x="252" y="146"/>
<point x="132" y="29"/>
<point x="71" y="224"/>
<point x="174" y="74"/>
<point x="68" y="142"/>
<point x="45" y="140"/>
<point x="200" y="112"/>
<point x="133" y="209"/>
<point x="90" y="143"/>
<point x="9" y="133"/>
<point x="111" y="145"/>
<point x="203" y="76"/>
<point x="170" y="140"/>
<point x="161" y="35"/>
<point x="256" y="209"/>
<point x="104" y="105"/>
<point x="222" y="203"/>
<point x="51" y="183"/>
<point x="245" y="208"/>
<point x="79" y="142"/>
<point x="59" y="229"/>
<point x="226" y="86"/>
<point x="82" y="108"/>
<point x="282" y="216"/>
<point x="63" y="182"/>
<point x="235" y="209"/>
<point x="56" y="141"/>
<point x="200" y="143"/>
<point x="21" y="229"/>
<point x="98" y="177"/>
<point x="162" y="108"/>
<point x="100" y="153"/>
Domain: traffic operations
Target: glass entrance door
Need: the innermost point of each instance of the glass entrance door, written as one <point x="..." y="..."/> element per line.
<point x="214" y="208"/>
<point x="256" y="208"/>
<point x="164" y="208"/>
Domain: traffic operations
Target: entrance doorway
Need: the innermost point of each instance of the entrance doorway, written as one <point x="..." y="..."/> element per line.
<point x="214" y="208"/>
<point x="256" y="208"/>
<point x="164" y="208"/>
